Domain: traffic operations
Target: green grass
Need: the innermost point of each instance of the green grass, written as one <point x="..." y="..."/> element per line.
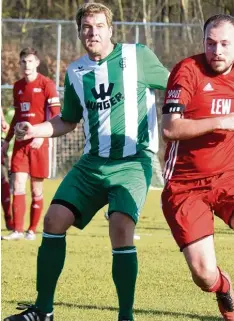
<point x="85" y="292"/>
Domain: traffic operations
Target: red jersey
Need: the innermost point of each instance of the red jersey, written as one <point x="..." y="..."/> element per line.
<point x="204" y="94"/>
<point x="34" y="102"/>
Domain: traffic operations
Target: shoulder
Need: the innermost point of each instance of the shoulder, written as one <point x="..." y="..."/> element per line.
<point x="78" y="63"/>
<point x="19" y="83"/>
<point x="195" y="64"/>
<point x="134" y="46"/>
<point x="45" y="80"/>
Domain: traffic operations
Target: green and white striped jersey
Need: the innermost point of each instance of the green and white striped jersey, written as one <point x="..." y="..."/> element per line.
<point x="115" y="99"/>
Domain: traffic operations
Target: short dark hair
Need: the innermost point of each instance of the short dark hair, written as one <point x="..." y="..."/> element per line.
<point x="218" y="19"/>
<point x="28" y="51"/>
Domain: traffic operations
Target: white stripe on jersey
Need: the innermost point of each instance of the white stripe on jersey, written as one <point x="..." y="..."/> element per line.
<point x="104" y="129"/>
<point x="170" y="163"/>
<point x="130" y="99"/>
<point x="152" y="120"/>
<point x="80" y="92"/>
<point x="50" y="156"/>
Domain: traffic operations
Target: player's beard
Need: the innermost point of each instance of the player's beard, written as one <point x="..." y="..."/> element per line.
<point x="220" y="67"/>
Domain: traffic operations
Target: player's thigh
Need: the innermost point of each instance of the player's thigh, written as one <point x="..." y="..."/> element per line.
<point x="128" y="184"/>
<point x="200" y="256"/>
<point x="81" y="191"/>
<point x="223" y="197"/>
<point x="188" y="215"/>
<point x="20" y="159"/>
<point x="19" y="182"/>
<point x="39" y="162"/>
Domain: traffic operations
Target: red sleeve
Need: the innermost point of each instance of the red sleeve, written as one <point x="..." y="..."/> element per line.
<point x="54" y="111"/>
<point x="53" y="101"/>
<point x="181" y="84"/>
<point x="52" y="95"/>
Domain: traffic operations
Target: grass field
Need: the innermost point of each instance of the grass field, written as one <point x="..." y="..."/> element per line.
<point x="85" y="291"/>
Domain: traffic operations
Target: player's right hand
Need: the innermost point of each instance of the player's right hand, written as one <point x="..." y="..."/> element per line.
<point x="227" y="122"/>
<point x="24" y="131"/>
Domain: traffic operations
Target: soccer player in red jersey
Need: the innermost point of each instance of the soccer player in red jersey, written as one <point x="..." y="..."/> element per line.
<point x="198" y="123"/>
<point x="35" y="100"/>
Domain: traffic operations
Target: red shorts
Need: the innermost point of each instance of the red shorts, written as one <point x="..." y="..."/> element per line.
<point x="189" y="206"/>
<point x="35" y="162"/>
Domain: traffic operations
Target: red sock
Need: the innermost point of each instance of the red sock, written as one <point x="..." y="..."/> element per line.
<point x="221" y="284"/>
<point x="6" y="198"/>
<point x="19" y="209"/>
<point x="35" y="212"/>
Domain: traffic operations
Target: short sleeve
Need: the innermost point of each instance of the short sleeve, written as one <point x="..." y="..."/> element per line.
<point x="72" y="110"/>
<point x="180" y="88"/>
<point x="52" y="95"/>
<point x="155" y="74"/>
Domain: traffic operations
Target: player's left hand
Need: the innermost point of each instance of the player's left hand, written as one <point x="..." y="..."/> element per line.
<point x="36" y="143"/>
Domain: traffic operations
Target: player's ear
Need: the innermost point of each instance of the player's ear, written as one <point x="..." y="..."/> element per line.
<point x="111" y="31"/>
<point x="78" y="32"/>
<point x="37" y="62"/>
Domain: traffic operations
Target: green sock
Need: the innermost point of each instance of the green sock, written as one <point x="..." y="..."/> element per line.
<point x="50" y="262"/>
<point x="124" y="273"/>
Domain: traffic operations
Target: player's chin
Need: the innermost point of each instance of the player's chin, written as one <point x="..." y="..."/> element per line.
<point x="219" y="69"/>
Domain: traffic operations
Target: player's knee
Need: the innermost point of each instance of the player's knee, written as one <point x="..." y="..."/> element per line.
<point x="19" y="187"/>
<point x="203" y="277"/>
<point x="37" y="192"/>
<point x="58" y="219"/>
<point x="121" y="229"/>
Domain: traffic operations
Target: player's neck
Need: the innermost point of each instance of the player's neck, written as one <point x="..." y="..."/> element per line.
<point x="31" y="78"/>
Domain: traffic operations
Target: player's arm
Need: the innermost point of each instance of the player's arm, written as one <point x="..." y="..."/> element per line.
<point x="53" y="128"/>
<point x="155" y="74"/>
<point x="53" y="101"/>
<point x="176" y="128"/>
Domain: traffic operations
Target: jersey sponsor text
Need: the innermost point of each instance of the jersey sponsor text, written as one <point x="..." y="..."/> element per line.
<point x="221" y="106"/>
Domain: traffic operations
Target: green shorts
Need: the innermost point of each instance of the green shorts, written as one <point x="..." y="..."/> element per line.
<point x="96" y="181"/>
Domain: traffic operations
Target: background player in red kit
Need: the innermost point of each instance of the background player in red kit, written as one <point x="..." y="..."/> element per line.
<point x="35" y="100"/>
<point x="198" y="123"/>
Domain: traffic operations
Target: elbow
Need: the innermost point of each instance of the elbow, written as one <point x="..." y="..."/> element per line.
<point x="73" y="126"/>
<point x="168" y="135"/>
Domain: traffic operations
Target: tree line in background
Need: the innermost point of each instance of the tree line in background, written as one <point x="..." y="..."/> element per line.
<point x="192" y="11"/>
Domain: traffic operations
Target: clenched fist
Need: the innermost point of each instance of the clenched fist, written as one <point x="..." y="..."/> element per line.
<point x="24" y="131"/>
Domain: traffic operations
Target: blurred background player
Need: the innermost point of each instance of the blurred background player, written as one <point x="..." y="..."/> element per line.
<point x="35" y="100"/>
<point x="5" y="186"/>
<point x="198" y="121"/>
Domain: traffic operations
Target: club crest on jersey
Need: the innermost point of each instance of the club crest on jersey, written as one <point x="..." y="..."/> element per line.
<point x="123" y="62"/>
<point x="25" y="106"/>
<point x="36" y="90"/>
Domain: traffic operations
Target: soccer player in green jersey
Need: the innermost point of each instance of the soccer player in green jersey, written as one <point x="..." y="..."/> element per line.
<point x="110" y="88"/>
